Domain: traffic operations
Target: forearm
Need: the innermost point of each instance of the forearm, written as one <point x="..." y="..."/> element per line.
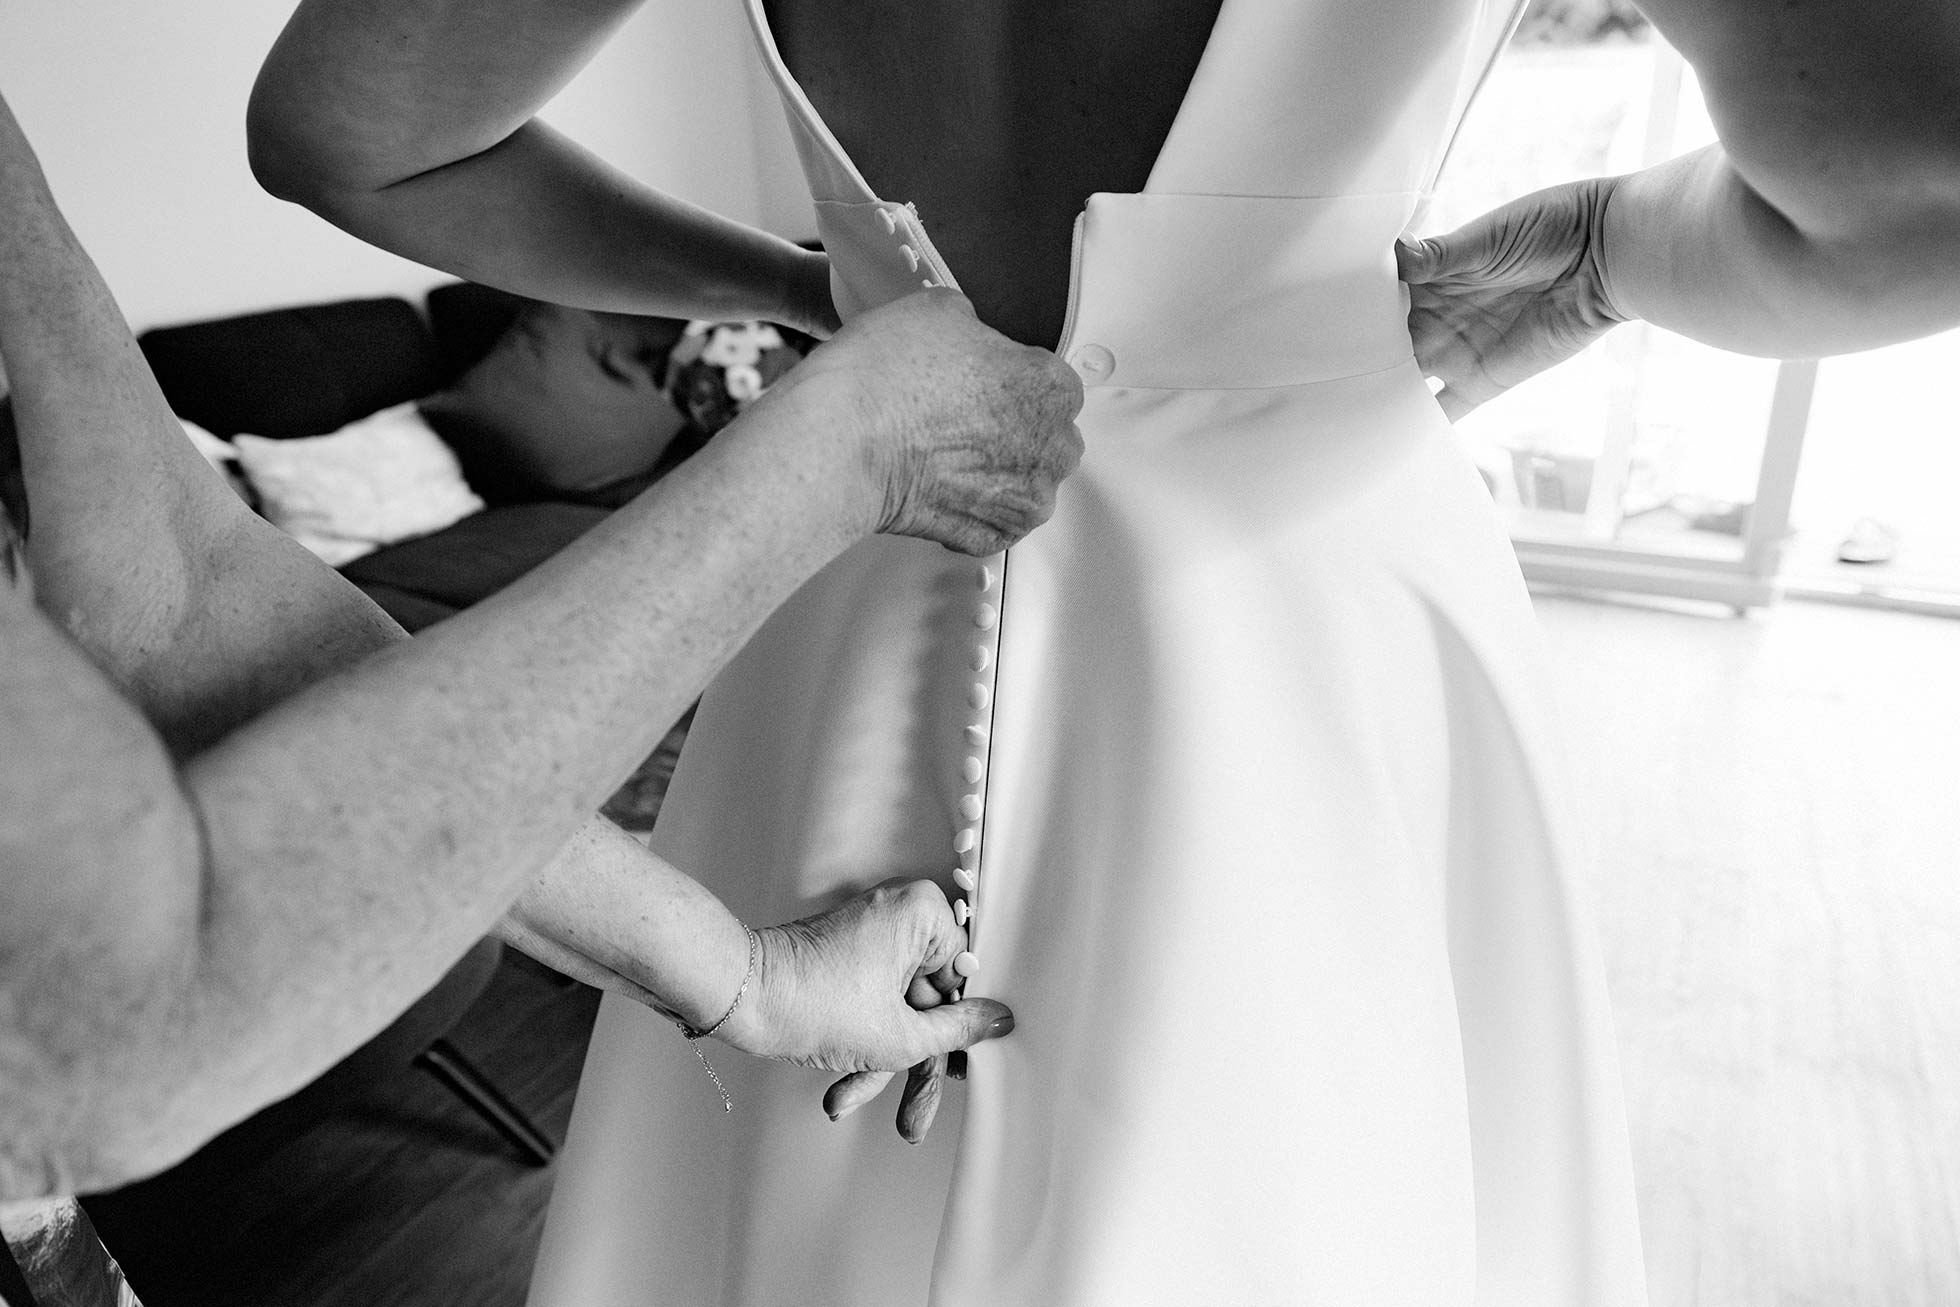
<point x="611" y="913"/>
<point x="262" y="911"/>
<point x="410" y="125"/>
<point x="360" y="834"/>
<point x="195" y="944"/>
<point x="538" y="215"/>
<point x="1692" y="246"/>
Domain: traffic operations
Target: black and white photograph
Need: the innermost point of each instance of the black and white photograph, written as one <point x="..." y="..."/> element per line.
<point x="1014" y="653"/>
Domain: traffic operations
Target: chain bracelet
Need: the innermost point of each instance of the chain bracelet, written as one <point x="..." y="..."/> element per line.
<point x="692" y="1034"/>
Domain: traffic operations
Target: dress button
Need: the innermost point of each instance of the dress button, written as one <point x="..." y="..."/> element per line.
<point x="966" y="964"/>
<point x="1093" y="363"/>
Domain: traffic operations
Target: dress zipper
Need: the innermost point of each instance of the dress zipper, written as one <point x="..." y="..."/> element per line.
<point x="1074" y="285"/>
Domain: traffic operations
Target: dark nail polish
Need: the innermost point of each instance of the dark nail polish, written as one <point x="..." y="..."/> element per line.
<point x="1000" y="1026"/>
<point x="956" y="1064"/>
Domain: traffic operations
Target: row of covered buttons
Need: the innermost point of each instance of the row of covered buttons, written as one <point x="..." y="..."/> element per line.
<point x="913" y="259"/>
<point x="979" y="739"/>
<point x="1095" y="364"/>
<point x="980" y="693"/>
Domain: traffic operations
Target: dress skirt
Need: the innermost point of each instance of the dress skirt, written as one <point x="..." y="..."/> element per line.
<point x="1273" y="873"/>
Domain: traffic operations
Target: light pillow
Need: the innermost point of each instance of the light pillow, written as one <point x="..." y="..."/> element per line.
<point x="222" y="457"/>
<point x="379" y="480"/>
<point x="218" y="453"/>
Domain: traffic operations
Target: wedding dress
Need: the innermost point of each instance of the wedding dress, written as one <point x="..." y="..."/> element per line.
<point x="1243" y="761"/>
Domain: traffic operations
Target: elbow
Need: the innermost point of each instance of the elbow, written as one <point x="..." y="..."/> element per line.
<point x="1911" y="208"/>
<point x="287" y="158"/>
<point x="303" y="150"/>
<point x="1855" y="184"/>
<point x="80" y="1157"/>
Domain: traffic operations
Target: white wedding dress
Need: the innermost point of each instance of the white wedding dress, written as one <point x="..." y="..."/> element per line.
<point x="1269" y="865"/>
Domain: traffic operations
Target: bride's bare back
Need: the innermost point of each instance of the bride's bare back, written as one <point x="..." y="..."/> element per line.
<point x="998" y="119"/>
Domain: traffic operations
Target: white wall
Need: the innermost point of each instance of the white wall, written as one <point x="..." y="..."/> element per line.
<point x="137" y="111"/>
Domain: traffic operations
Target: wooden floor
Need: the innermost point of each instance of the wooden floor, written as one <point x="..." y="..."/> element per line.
<point x="1776" y="807"/>
<point x="1775" y="804"/>
<point x="401" y="1199"/>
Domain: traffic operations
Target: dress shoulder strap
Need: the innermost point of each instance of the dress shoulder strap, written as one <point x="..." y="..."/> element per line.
<point x="826" y="167"/>
<point x="1497" y="21"/>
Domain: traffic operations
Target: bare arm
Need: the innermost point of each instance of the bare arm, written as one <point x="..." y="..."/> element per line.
<point x="180" y="942"/>
<point x="1826" y="220"/>
<point x="410" y="124"/>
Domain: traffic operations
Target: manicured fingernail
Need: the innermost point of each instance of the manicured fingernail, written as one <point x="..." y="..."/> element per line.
<point x="1000" y="1026"/>
<point x="956" y="1064"/>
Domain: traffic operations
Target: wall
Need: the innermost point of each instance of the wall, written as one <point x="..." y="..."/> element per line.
<point x="137" y="112"/>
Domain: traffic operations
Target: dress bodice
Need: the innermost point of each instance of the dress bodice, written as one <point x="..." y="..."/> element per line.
<point x="1290" y="98"/>
<point x="999" y="120"/>
<point x="1281" y="107"/>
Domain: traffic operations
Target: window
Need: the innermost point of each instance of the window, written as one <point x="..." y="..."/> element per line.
<point x="1652" y="463"/>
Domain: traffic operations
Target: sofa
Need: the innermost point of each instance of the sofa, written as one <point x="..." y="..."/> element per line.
<point x="312" y="370"/>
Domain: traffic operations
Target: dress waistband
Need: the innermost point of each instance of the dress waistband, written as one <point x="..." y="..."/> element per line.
<point x="1229" y="292"/>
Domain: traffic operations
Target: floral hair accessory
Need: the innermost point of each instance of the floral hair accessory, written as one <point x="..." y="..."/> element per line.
<point x="717" y="369"/>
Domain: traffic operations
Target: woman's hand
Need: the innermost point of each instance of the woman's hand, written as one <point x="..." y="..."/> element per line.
<point x="1509" y="294"/>
<point x="867" y="988"/>
<point x="961" y="435"/>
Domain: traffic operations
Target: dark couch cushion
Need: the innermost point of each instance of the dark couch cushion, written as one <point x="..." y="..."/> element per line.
<point x="566" y="403"/>
<point x="13" y="486"/>
<point x="303" y="371"/>
<point x="468" y="320"/>
<point x="480" y="554"/>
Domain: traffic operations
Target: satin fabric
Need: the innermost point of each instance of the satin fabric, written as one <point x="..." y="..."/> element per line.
<point x="1273" y="874"/>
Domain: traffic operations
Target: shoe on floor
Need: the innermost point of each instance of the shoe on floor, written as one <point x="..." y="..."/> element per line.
<point x="1870" y="541"/>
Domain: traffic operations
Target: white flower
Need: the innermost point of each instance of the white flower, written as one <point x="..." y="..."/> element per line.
<point x="731" y="347"/>
<point x="744" y="383"/>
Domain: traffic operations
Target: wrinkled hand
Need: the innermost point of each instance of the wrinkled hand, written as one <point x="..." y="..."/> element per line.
<point x="866" y="988"/>
<point x="964" y="433"/>
<point x="1509" y="294"/>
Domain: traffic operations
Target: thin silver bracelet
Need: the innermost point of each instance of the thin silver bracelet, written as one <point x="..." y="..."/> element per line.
<point x="692" y="1034"/>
